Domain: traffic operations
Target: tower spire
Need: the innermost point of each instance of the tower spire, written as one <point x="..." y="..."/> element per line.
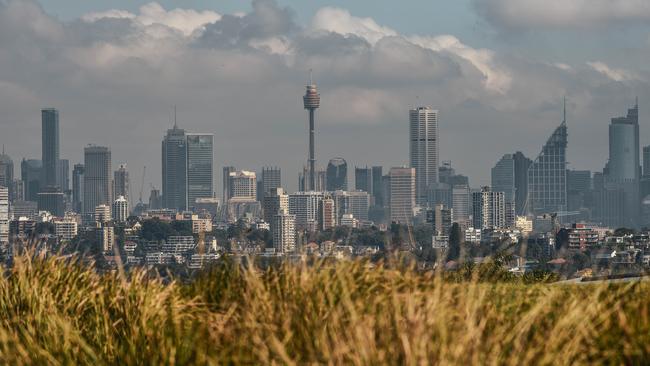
<point x="175" y="121"/>
<point x="564" y="120"/>
<point x="311" y="77"/>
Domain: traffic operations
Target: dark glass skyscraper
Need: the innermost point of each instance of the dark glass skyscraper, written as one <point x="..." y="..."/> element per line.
<point x="522" y="163"/>
<point x="624" y="166"/>
<point x="31" y="173"/>
<point x="378" y="185"/>
<point x="337" y="175"/>
<point x="363" y="179"/>
<point x="77" y="188"/>
<point x="271" y="179"/>
<point x="97" y="178"/>
<point x="174" y="169"/>
<point x="547" y="175"/>
<point x="50" y="146"/>
<point x="199" y="167"/>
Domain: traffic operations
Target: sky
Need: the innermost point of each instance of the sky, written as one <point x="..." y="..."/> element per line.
<point x="496" y="69"/>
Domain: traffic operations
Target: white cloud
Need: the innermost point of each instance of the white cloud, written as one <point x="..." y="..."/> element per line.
<point x="342" y="22"/>
<point x="562" y="13"/>
<point x="186" y="21"/>
<point x="612" y="73"/>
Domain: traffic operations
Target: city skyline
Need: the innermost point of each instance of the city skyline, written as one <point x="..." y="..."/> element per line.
<point x="360" y="112"/>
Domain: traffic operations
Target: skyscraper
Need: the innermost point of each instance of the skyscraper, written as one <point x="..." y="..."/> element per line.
<point x="31" y="173"/>
<point x="52" y="200"/>
<point x="503" y="177"/>
<point x="174" y="169"/>
<point x="4" y="217"/>
<point x="78" y="188"/>
<point x="489" y="209"/>
<point x="284" y="232"/>
<point x="644" y="185"/>
<point x="271" y="179"/>
<point x="363" y="179"/>
<point x="424" y="149"/>
<point x="337" y="175"/>
<point x="50" y="146"/>
<point x="226" y="182"/>
<point x="311" y="101"/>
<point x="199" y="167"/>
<point x="402" y="194"/>
<point x="522" y="163"/>
<point x="242" y="185"/>
<point x="623" y="167"/>
<point x="97" y="178"/>
<point x="274" y="201"/>
<point x="461" y="205"/>
<point x="121" y="182"/>
<point x="6" y="172"/>
<point x="378" y="185"/>
<point x="120" y="209"/>
<point x="547" y="175"/>
<point x="63" y="176"/>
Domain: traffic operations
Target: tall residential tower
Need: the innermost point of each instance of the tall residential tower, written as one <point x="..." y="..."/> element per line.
<point x="424" y="149"/>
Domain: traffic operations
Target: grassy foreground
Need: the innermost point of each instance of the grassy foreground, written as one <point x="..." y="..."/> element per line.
<point x="56" y="312"/>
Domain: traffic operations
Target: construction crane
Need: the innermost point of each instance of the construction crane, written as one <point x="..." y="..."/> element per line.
<point x="144" y="172"/>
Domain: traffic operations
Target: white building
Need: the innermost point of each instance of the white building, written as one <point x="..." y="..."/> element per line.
<point x="424" y="149"/>
<point x="242" y="184"/>
<point x="284" y="232"/>
<point x="525" y="224"/>
<point x="120" y="209"/>
<point x="102" y="213"/>
<point x="106" y="238"/>
<point x="305" y="206"/>
<point x="4" y="216"/>
<point x="402" y="194"/>
<point x="178" y="244"/>
<point x="489" y="209"/>
<point x="473" y="235"/>
<point x="350" y="221"/>
<point x="65" y="229"/>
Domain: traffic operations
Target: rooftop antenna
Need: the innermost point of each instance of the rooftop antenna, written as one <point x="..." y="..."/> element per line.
<point x="175" y="124"/>
<point x="564" y="109"/>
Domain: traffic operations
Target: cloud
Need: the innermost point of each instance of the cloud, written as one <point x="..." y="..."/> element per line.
<point x="613" y="73"/>
<point x="552" y="14"/>
<point x="116" y="75"/>
<point x="186" y="21"/>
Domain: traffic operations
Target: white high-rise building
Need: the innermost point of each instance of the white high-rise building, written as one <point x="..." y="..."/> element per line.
<point x="424" y="149"/>
<point x="120" y="209"/>
<point x="4" y="216"/>
<point x="242" y="184"/>
<point x="102" y="214"/>
<point x="305" y="205"/>
<point x="489" y="209"/>
<point x="284" y="232"/>
<point x="402" y="194"/>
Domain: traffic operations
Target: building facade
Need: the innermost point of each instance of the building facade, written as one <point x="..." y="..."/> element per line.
<point x="50" y="146"/>
<point x="489" y="209"/>
<point x="174" y="169"/>
<point x="337" y="175"/>
<point x="97" y="178"/>
<point x="424" y="149"/>
<point x="402" y="194"/>
<point x="199" y="167"/>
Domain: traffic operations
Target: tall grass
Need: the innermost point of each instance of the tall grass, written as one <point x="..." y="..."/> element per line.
<point x="59" y="311"/>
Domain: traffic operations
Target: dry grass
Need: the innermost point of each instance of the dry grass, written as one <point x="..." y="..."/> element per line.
<point x="53" y="311"/>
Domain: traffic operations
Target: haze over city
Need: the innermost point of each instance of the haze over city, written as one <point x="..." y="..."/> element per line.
<point x="497" y="70"/>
